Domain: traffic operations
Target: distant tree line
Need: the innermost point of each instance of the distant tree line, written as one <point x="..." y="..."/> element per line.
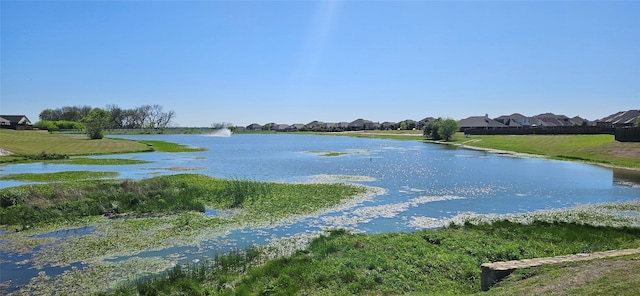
<point x="143" y="117"/>
<point x="96" y="120"/>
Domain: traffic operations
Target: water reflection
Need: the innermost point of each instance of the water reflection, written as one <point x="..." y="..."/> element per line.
<point x="423" y="184"/>
<point x="626" y="177"/>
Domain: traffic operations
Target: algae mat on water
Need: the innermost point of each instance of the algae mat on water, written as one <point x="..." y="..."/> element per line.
<point x="159" y="213"/>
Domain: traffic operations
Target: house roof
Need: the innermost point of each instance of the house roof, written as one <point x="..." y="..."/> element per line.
<point x="623" y="117"/>
<point x="254" y="126"/>
<point x="426" y="119"/>
<point x="280" y="127"/>
<point x="359" y="122"/>
<point x="512" y="116"/>
<point x="479" y="121"/>
<point x="512" y="123"/>
<point x="17" y="119"/>
<point x="314" y="123"/>
<point x="4" y="121"/>
<point x="550" y="119"/>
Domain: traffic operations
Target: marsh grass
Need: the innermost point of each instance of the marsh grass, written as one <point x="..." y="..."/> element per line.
<point x="162" y="146"/>
<point x="327" y="153"/>
<point x="100" y="161"/>
<point x="60" y="176"/>
<point x="43" y="203"/>
<point x="29" y="205"/>
<point x="217" y="273"/>
<point x="437" y="262"/>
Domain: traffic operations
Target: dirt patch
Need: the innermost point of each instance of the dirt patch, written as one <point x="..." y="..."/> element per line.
<point x="578" y="275"/>
<point x="626" y="152"/>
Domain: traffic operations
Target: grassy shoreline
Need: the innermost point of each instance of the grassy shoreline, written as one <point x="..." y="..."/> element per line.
<point x="428" y="262"/>
<point x="135" y="216"/>
<point x="593" y="149"/>
<point x="443" y="261"/>
<point x="40" y="146"/>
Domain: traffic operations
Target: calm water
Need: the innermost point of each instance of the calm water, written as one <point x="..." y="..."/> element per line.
<point x="421" y="180"/>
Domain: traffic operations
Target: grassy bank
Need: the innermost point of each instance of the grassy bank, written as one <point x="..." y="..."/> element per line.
<point x="602" y="149"/>
<point x="35" y="142"/>
<point x="599" y="149"/>
<point x="30" y="146"/>
<point x="434" y="262"/>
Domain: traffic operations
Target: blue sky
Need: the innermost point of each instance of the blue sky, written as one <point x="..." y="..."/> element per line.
<point x="299" y="61"/>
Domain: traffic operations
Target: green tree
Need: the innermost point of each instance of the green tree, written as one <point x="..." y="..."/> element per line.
<point x="403" y="125"/>
<point x="96" y="122"/>
<point x="440" y="129"/>
<point x="46" y="125"/>
<point x="447" y="128"/>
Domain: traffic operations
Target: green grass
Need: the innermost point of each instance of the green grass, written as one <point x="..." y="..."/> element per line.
<point x="60" y="176"/>
<point x="162" y="146"/>
<point x="601" y="149"/>
<point x="35" y="146"/>
<point x="46" y="203"/>
<point x="35" y="142"/>
<point x="99" y="161"/>
<point x="611" y="276"/>
<point x="378" y="134"/>
<point x="590" y="148"/>
<point x="430" y="262"/>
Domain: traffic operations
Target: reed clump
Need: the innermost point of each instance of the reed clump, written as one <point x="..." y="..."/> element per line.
<point x="436" y="262"/>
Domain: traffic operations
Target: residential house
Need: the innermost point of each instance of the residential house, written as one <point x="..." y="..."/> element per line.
<point x="514" y="120"/>
<point x="296" y="127"/>
<point x="254" y="127"/>
<point x="479" y="122"/>
<point x="387" y="125"/>
<point x="5" y="122"/>
<point x="17" y="122"/>
<point x="579" y="121"/>
<point x="361" y="124"/>
<point x="620" y="119"/>
<point x="280" y="127"/>
<point x="314" y="125"/>
<point x="550" y="120"/>
<point x="424" y="122"/>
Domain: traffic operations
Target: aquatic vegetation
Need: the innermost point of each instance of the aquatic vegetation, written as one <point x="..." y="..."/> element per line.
<point x="336" y="153"/>
<point x="60" y="176"/>
<point x="442" y="261"/>
<point x="368" y="213"/>
<point x="186" y="168"/>
<point x="338" y="178"/>
<point x="100" y="161"/>
<point x="150" y="224"/>
<point x="162" y="146"/>
<point x="626" y="214"/>
<point x="43" y="203"/>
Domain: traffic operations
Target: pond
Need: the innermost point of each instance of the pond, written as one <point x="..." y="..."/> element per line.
<point x="423" y="183"/>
